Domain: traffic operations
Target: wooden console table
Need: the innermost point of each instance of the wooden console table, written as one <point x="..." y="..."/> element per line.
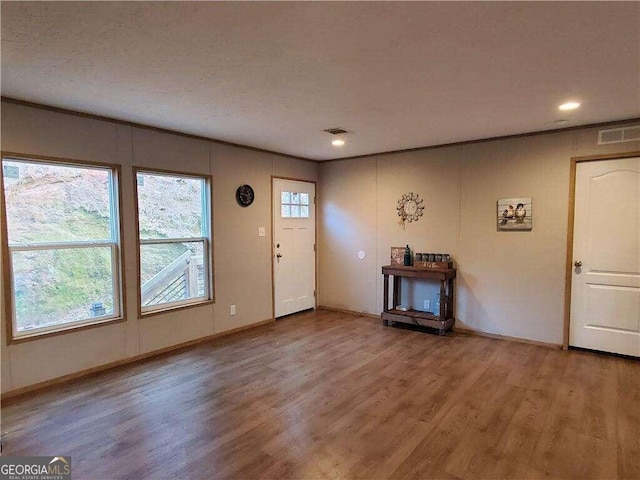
<point x="442" y="322"/>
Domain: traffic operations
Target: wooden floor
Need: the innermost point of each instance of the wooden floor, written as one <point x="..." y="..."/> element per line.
<point x="328" y="395"/>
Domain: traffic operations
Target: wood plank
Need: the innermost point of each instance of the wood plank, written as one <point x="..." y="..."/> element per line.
<point x="327" y="394"/>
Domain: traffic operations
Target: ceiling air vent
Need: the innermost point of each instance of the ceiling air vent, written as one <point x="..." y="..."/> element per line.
<point x="619" y="135"/>
<point x="335" y="130"/>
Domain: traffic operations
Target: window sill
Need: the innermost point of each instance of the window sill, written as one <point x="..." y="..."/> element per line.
<point x="175" y="308"/>
<point x="63" y="330"/>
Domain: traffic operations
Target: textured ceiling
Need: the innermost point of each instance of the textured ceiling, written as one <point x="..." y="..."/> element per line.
<point x="274" y="75"/>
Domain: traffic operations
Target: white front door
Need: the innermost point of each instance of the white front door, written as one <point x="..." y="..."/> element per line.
<point x="605" y="290"/>
<point x="294" y="237"/>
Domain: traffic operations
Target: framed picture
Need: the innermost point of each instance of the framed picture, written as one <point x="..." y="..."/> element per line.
<point x="397" y="255"/>
<point x="515" y="213"/>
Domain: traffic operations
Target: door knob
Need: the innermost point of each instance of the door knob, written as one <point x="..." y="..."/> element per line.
<point x="577" y="263"/>
<point x="279" y="255"/>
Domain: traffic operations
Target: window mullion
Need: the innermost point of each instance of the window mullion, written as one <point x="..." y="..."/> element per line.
<point x="164" y="241"/>
<point x="113" y="224"/>
<point x="116" y="280"/>
<point x="205" y="215"/>
<point x="23" y="247"/>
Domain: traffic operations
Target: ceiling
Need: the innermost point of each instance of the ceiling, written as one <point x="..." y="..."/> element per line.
<point x="274" y="75"/>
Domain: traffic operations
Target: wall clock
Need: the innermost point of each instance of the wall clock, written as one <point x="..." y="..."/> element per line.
<point x="245" y="195"/>
<point x="410" y="208"/>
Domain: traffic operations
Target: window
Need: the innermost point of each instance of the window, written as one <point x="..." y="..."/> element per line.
<point x="63" y="239"/>
<point x="294" y="205"/>
<point x="174" y="228"/>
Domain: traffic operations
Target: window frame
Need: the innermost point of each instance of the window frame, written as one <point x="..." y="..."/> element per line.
<point x="115" y="244"/>
<point x="206" y="239"/>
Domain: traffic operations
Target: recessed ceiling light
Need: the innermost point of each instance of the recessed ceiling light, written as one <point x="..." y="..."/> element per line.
<point x="569" y="106"/>
<point x="337" y="142"/>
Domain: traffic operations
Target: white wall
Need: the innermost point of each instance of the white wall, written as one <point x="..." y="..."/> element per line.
<point x="242" y="259"/>
<point x="509" y="283"/>
<point x="512" y="283"/>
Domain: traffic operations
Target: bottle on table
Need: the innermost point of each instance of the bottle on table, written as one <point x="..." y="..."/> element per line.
<point x="407" y="257"/>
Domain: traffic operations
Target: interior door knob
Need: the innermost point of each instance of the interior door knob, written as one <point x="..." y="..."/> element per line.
<point x="577" y="263"/>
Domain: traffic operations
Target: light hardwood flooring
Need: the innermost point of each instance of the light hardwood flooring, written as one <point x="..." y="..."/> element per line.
<point x="330" y="395"/>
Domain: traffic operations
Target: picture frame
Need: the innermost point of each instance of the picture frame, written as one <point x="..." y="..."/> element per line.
<point x="514" y="214"/>
<point x="397" y="255"/>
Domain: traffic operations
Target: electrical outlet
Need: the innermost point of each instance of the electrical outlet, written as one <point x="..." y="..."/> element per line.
<point x="261" y="232"/>
<point x="427" y="304"/>
<point x="232" y="310"/>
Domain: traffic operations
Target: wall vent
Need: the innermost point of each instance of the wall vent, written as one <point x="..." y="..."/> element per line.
<point x="335" y="130"/>
<point x="619" y="135"/>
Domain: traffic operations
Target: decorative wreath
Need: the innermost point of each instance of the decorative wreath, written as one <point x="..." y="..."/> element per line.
<point x="410" y="208"/>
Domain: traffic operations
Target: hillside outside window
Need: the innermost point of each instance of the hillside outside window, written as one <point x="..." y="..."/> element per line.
<point x="63" y="239"/>
<point x="174" y="228"/>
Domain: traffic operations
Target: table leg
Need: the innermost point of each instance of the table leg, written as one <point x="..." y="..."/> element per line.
<point x="443" y="300"/>
<point x="385" y="298"/>
<point x="450" y="299"/>
<point x="396" y="291"/>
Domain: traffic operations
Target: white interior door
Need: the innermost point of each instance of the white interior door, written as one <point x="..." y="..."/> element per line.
<point x="294" y="237"/>
<point x="605" y="291"/>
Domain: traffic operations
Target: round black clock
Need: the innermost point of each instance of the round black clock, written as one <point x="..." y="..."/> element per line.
<point x="244" y="195"/>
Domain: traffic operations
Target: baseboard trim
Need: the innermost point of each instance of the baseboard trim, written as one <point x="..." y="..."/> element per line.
<point x="478" y="333"/>
<point x="465" y="331"/>
<point x="14" y="394"/>
<point x="349" y="312"/>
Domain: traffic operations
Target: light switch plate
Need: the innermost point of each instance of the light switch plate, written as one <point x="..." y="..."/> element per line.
<point x="261" y="232"/>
